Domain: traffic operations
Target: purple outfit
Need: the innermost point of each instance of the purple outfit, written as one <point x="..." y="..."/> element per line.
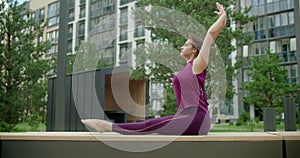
<point x="193" y="117"/>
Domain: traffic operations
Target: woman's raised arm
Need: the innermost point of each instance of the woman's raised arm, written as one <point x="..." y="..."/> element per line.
<point x="201" y="61"/>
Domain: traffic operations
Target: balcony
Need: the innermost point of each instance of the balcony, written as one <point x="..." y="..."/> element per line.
<point x="287" y="56"/>
<point x="280" y="6"/>
<point x="280" y="31"/>
<point x="275" y="32"/>
<point x="102" y="11"/>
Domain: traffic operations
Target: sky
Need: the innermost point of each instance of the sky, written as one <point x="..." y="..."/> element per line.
<point x="21" y="1"/>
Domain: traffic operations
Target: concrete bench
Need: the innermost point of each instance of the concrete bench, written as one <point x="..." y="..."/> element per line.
<point x="88" y="144"/>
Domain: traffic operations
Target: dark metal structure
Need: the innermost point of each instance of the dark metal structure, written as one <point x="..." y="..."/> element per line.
<point x="88" y="94"/>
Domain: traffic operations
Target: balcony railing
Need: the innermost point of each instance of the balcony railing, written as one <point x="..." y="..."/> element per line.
<point x="102" y="11"/>
<point x="288" y="56"/>
<point x="280" y="5"/>
<point x="280" y="31"/>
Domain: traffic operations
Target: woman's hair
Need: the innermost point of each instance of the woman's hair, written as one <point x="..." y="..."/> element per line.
<point x="196" y="42"/>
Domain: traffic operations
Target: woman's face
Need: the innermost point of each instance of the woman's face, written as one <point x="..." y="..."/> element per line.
<point x="187" y="50"/>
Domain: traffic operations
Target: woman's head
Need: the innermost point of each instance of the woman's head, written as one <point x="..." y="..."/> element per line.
<point x="191" y="48"/>
<point x="196" y="42"/>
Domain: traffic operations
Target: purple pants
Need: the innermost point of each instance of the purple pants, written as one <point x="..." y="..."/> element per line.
<point x="191" y="121"/>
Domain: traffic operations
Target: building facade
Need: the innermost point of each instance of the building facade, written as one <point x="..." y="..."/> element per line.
<point x="47" y="12"/>
<point x="111" y="22"/>
<point x="277" y="29"/>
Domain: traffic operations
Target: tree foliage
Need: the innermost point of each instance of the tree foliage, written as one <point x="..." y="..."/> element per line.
<point x="203" y="12"/>
<point x="268" y="83"/>
<point x="23" y="87"/>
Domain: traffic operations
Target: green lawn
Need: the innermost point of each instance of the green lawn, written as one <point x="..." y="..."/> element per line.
<point x="24" y="127"/>
<point x="226" y="127"/>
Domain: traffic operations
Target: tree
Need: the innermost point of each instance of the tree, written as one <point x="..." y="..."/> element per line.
<point x="203" y="13"/>
<point x="23" y="87"/>
<point x="268" y="83"/>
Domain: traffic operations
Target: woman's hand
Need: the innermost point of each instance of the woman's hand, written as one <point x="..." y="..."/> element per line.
<point x="221" y="9"/>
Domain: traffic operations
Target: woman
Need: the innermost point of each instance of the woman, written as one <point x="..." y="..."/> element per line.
<point x="193" y="116"/>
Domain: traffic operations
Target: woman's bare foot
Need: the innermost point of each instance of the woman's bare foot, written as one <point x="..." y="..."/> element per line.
<point x="98" y="125"/>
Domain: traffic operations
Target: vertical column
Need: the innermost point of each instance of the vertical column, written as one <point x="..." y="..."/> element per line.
<point x="60" y="110"/>
<point x="289" y="114"/>
<point x="297" y="26"/>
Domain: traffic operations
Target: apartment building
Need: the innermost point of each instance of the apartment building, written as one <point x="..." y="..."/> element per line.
<point x="276" y="28"/>
<point x="43" y="11"/>
<point x="111" y="22"/>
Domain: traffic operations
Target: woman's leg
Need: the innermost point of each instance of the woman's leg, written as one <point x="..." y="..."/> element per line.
<point x="193" y="121"/>
<point x="98" y="125"/>
<point x="161" y="125"/>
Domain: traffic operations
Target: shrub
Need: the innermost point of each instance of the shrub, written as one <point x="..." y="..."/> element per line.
<point x="243" y="119"/>
<point x="4" y="127"/>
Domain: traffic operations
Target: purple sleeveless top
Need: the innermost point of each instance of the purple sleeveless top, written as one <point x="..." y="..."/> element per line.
<point x="189" y="89"/>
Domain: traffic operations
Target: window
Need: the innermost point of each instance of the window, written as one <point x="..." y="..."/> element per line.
<point x="33" y="15"/>
<point x="263" y="47"/>
<point x="71" y="15"/>
<point x="124" y="15"/>
<point x="40" y="40"/>
<point x="123" y="50"/>
<point x="123" y="34"/>
<point x="290" y="4"/>
<point x="261" y="23"/>
<point x="53" y="37"/>
<point x="293" y="44"/>
<point x="284" y="19"/>
<point x="81" y="28"/>
<point x="291" y="18"/>
<point x="53" y="14"/>
<point x="140" y="44"/>
<point x="82" y="12"/>
<point x="139" y="31"/>
<point x="294" y="71"/>
<point x="80" y="40"/>
<point x="246" y="77"/>
<point x="248" y="3"/>
<point x="271" y="21"/>
<point x="277" y="20"/>
<point x="256" y="48"/>
<point x="245" y="51"/>
<point x="42" y="14"/>
<point x="94" y="22"/>
<point x="273" y="46"/>
<point x="254" y="2"/>
<point x="82" y="2"/>
<point x="69" y="46"/>
<point x="243" y="4"/>
<point x="70" y="31"/>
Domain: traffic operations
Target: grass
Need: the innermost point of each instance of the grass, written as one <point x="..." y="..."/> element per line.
<point x="24" y="127"/>
<point x="224" y="127"/>
<point x="255" y="127"/>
